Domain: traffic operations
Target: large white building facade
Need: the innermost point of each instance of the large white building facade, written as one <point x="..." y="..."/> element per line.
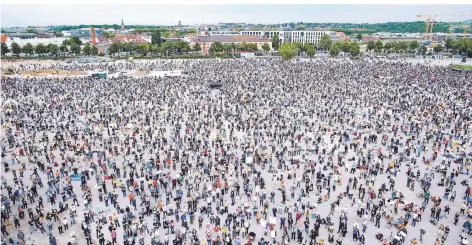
<point x="292" y="36"/>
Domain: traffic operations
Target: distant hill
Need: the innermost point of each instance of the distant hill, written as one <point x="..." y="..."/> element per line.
<point x="466" y="22"/>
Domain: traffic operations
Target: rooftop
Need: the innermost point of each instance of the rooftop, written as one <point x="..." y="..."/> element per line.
<point x="230" y="39"/>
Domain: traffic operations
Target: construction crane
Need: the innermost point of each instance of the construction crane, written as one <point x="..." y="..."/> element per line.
<point x="465" y="27"/>
<point x="433" y="19"/>
<point x="429" y="21"/>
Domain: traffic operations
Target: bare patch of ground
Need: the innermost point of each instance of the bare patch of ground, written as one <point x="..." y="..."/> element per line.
<point x="53" y="72"/>
<point x="142" y="73"/>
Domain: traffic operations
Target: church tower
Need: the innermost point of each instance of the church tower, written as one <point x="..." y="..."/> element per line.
<point x="122" y="25"/>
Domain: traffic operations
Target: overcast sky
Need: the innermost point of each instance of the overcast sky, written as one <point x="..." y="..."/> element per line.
<point x="40" y="15"/>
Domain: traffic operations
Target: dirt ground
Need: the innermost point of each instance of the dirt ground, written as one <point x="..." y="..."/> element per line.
<point x="53" y="72"/>
<point x="142" y="73"/>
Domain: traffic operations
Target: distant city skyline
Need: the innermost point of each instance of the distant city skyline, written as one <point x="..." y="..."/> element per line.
<point x="43" y="15"/>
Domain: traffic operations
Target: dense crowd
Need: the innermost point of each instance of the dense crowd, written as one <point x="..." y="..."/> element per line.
<point x="312" y="152"/>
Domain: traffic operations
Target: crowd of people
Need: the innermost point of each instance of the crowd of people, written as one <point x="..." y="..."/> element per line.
<point x="316" y="151"/>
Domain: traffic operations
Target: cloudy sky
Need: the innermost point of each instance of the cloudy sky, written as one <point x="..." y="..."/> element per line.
<point x="38" y="15"/>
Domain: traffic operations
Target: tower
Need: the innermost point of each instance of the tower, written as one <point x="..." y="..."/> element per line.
<point x="122" y="25"/>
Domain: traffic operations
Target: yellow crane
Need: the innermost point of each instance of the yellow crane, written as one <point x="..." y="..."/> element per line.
<point x="465" y="27"/>
<point x="429" y="21"/>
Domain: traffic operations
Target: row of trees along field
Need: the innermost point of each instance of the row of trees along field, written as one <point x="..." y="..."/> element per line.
<point x="462" y="46"/>
<point x="72" y="45"/>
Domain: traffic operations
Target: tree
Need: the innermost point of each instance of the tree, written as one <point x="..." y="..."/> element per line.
<point x="370" y="45"/>
<point x="87" y="49"/>
<point x="288" y="50"/>
<point x="94" y="50"/>
<point x="40" y="49"/>
<point x="469" y="53"/>
<point x="334" y="50"/>
<point x="275" y="41"/>
<point x="403" y="45"/>
<point x="28" y="49"/>
<point x="449" y="43"/>
<point x="354" y="49"/>
<point x="395" y="46"/>
<point x="462" y="45"/>
<point x="197" y="47"/>
<point x="423" y="50"/>
<point x="438" y="49"/>
<point x="325" y="42"/>
<point x="5" y="49"/>
<point x="218" y="47"/>
<point x="143" y="49"/>
<point x="53" y="49"/>
<point x="378" y="46"/>
<point x="16" y="49"/>
<point x="156" y="38"/>
<point x="266" y="47"/>
<point x="113" y="49"/>
<point x="344" y="46"/>
<point x="387" y="47"/>
<point x="76" y="40"/>
<point x="300" y="28"/>
<point x="310" y="49"/>
<point x="414" y="44"/>
<point x="153" y="48"/>
<point x="75" y="48"/>
<point x="359" y="37"/>
<point x="108" y="35"/>
<point x="299" y="47"/>
<point x="227" y="48"/>
<point x="64" y="48"/>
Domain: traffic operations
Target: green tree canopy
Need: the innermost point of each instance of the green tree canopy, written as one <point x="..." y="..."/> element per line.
<point x="354" y="49"/>
<point x="266" y="47"/>
<point x="197" y="47"/>
<point x="325" y="42"/>
<point x="75" y="48"/>
<point x="40" y="49"/>
<point x="15" y="49"/>
<point x="28" y="49"/>
<point x="378" y="46"/>
<point x="359" y="37"/>
<point x="438" y="48"/>
<point x="414" y="44"/>
<point x="53" y="49"/>
<point x="5" y="49"/>
<point x="423" y="50"/>
<point x="87" y="49"/>
<point x="275" y="41"/>
<point x="113" y="49"/>
<point x="334" y="50"/>
<point x="94" y="50"/>
<point x="156" y="38"/>
<point x="288" y="50"/>
<point x="310" y="49"/>
<point x="370" y="45"/>
<point x="218" y="47"/>
<point x="449" y="43"/>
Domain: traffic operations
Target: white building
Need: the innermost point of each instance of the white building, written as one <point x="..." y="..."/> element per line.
<point x="292" y="36"/>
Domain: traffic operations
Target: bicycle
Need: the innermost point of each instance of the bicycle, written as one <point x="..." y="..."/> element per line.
<point x="420" y="195"/>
